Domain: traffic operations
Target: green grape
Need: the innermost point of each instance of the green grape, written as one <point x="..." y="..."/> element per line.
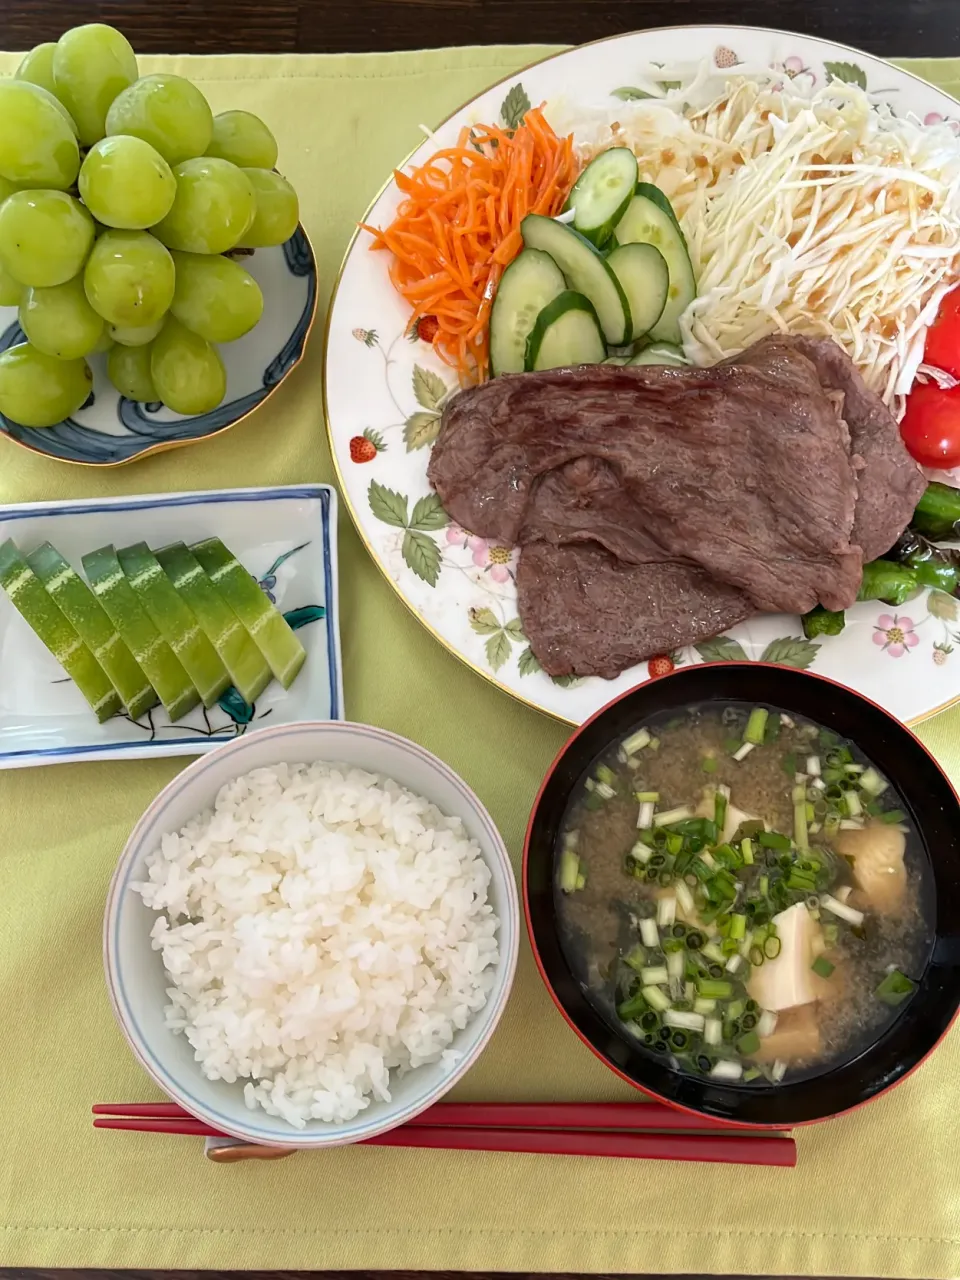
<point x="45" y="237"/>
<point x="37" y="67"/>
<point x="10" y="290"/>
<point x="91" y="65"/>
<point x="128" y="368"/>
<point x="244" y="140"/>
<point x="37" y="145"/>
<point x="125" y="183"/>
<point x="278" y="210"/>
<point x="168" y="112"/>
<point x="134" y="335"/>
<point x="215" y="297"/>
<point x="37" y="390"/>
<point x="213" y="207"/>
<point x="104" y="342"/>
<point x="129" y="278"/>
<point x="187" y="371"/>
<point x="7" y="188"/>
<point x="60" y="321"/>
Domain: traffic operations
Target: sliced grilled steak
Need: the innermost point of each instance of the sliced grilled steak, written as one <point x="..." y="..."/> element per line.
<point x="587" y="613"/>
<point x="740" y="468"/>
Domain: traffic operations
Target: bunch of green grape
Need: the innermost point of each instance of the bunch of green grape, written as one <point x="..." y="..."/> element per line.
<point x="119" y="197"/>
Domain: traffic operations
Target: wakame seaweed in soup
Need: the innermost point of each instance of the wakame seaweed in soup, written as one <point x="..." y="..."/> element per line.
<point x="741" y="891"/>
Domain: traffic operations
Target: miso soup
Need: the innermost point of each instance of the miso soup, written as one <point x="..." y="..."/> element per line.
<point x="741" y="892"/>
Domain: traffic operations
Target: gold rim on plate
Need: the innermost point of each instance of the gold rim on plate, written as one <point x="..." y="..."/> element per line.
<point x="165" y="446"/>
<point x="485" y="674"/>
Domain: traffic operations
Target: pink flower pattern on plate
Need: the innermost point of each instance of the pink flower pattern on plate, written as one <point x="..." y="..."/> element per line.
<point x="895" y="634"/>
<point x="493" y="559"/>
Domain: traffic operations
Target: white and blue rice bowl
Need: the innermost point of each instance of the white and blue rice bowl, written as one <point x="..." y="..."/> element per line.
<point x="135" y="975"/>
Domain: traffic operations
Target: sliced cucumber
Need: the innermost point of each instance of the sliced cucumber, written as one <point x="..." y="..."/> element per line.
<point x="601" y="194"/>
<point x="531" y="281"/>
<point x="586" y="272"/>
<point x="567" y="332"/>
<point x="650" y="220"/>
<point x="645" y="278"/>
<point x="660" y="353"/>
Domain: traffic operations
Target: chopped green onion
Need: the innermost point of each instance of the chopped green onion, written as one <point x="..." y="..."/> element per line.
<point x="702" y="1005"/>
<point x="751" y="1074"/>
<point x="641" y="852"/>
<point x="756" y="725"/>
<point x="749" y="1044"/>
<point x="895" y="987"/>
<point x="778" y="1071"/>
<point x="713" y="952"/>
<point x="636" y="742"/>
<point x="872" y="783"/>
<point x="643" y="796"/>
<point x="773" y="840"/>
<point x="635" y="958"/>
<point x="656" y="999"/>
<point x="709" y="764"/>
<point x="743" y="751"/>
<point x="726" y="1070"/>
<point x="666" y="911"/>
<point x="813" y="766"/>
<point x="755" y="955"/>
<point x="801" y="834"/>
<point x="893" y="815"/>
<point x="684" y="897"/>
<point x="766" y="1024"/>
<point x="645" y="816"/>
<point x="582" y="880"/>
<point x="838" y="908"/>
<point x="719" y="809"/>
<point x="631" y="1008"/>
<point x="606" y="774"/>
<point x="738" y="926"/>
<point x="853" y="804"/>
<point x="822" y="967"/>
<point x="714" y="988"/>
<point x="669" y="816"/>
<point x="649" y="933"/>
<point x="712" y="1031"/>
<point x="694" y="940"/>
<point x="789" y="764"/>
<point x="569" y="870"/>
<point x="746" y="851"/>
<point x="688" y="1021"/>
<point x="771" y="948"/>
<point x="734" y="964"/>
<point x="571" y="839"/>
<point x="654" y="975"/>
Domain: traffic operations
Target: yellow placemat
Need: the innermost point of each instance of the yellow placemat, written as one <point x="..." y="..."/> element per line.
<point x="875" y="1194"/>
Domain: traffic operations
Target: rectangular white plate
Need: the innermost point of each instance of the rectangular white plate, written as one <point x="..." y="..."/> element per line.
<point x="286" y="537"/>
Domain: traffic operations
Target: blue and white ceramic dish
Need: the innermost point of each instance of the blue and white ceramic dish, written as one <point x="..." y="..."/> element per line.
<point x="286" y="537"/>
<point x="111" y="430"/>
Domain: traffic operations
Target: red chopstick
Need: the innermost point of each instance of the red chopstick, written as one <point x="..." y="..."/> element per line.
<point x="501" y="1115"/>
<point x="712" y="1148"/>
<point x="565" y="1128"/>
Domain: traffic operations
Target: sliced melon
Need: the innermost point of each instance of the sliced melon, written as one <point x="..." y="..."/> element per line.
<point x="247" y="666"/>
<point x="265" y="624"/>
<point x="85" y="613"/>
<point x="160" y="664"/>
<point x="175" y="621"/>
<point x="30" y="598"/>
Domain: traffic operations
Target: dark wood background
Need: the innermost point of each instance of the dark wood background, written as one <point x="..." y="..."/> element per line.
<point x="908" y="28"/>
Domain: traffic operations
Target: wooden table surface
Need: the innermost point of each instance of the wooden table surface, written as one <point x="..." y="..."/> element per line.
<point x="908" y="28"/>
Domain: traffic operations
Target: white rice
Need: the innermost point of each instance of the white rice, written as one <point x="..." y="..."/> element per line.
<point x="321" y="927"/>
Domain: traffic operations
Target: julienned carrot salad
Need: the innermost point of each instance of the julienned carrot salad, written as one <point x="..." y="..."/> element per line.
<point x="458" y="227"/>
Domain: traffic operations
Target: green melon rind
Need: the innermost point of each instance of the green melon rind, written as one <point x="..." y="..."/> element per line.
<point x="29" y="597"/>
<point x="265" y="624"/>
<point x="85" y="613"/>
<point x="175" y="621"/>
<point x="160" y="664"/>
<point x="248" y="669"/>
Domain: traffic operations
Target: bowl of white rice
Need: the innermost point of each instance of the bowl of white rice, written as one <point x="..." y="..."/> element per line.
<point x="311" y="934"/>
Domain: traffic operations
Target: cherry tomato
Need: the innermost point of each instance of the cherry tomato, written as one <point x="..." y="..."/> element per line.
<point x="943" y="337"/>
<point x="931" y="426"/>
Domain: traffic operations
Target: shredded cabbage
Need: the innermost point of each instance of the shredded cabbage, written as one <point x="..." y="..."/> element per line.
<point x="817" y="212"/>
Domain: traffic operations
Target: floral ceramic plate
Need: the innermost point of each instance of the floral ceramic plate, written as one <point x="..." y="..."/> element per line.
<point x="110" y="430"/>
<point x="285" y="537"/>
<point x="385" y="386"/>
